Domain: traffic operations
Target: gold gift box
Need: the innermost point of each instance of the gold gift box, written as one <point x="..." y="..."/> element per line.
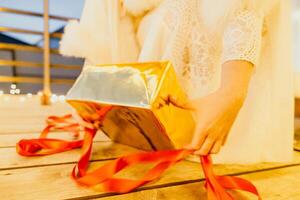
<point x="144" y="114"/>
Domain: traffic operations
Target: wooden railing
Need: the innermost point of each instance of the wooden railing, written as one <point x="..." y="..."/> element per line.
<point x="46" y="80"/>
<point x="22" y="12"/>
<point x="17" y="30"/>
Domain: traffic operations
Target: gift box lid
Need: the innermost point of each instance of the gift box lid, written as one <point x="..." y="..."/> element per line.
<point x="134" y="85"/>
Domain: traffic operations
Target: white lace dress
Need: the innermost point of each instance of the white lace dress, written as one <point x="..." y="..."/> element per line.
<point x="175" y="31"/>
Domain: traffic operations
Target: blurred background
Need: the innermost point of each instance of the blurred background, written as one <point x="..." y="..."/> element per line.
<point x="22" y="41"/>
<point x="23" y="37"/>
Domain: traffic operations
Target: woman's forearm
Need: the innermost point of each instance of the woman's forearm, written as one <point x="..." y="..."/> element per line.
<point x="216" y="113"/>
<point x="235" y="79"/>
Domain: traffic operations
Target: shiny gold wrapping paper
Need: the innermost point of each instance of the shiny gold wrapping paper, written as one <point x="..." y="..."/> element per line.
<point x="143" y="114"/>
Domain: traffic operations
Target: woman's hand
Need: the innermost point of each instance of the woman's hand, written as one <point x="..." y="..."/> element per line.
<point x="216" y="113"/>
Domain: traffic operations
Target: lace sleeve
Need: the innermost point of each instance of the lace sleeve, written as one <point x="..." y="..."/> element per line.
<point x="242" y="38"/>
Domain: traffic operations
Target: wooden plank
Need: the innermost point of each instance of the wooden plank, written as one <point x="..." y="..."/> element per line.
<point x="26" y="126"/>
<point x="191" y="191"/>
<point x="277" y="184"/>
<point x="68" y="81"/>
<point x="49" y="177"/>
<point x="21" y="47"/>
<point x="101" y="151"/>
<point x="54" y="182"/>
<point x="19" y="125"/>
<point x="10" y="140"/>
<point x="18" y="63"/>
<point x="35" y="14"/>
<point x="297" y="140"/>
<point x="25" y="31"/>
<point x="13" y="107"/>
<point x="16" y="118"/>
<point x="11" y="79"/>
<point x="27" y="115"/>
<point x="37" y="80"/>
<point x="297" y="107"/>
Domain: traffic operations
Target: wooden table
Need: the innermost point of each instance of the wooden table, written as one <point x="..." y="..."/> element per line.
<point x="49" y="177"/>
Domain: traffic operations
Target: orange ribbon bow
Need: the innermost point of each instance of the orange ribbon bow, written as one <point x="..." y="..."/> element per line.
<point x="216" y="185"/>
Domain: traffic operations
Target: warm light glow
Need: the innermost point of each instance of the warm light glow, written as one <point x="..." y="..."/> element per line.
<point x="62" y="98"/>
<point x="17" y="91"/>
<point x="29" y="95"/>
<point x="1" y="92"/>
<point x="54" y="98"/>
<point x="12" y="91"/>
<point x="13" y="86"/>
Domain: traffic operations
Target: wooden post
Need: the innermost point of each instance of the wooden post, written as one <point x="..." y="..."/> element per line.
<point x="45" y="99"/>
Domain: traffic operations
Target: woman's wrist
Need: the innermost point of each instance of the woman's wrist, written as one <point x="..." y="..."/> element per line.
<point x="236" y="76"/>
<point x="233" y="91"/>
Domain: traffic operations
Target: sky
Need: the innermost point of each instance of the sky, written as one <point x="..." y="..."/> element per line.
<point x="66" y="8"/>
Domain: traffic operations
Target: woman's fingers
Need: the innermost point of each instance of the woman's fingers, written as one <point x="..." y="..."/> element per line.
<point x="224" y="139"/>
<point x="217" y="147"/>
<point x="205" y="147"/>
<point x="179" y="103"/>
<point x="210" y="139"/>
<point x="212" y="143"/>
<point x="228" y="125"/>
<point x="198" y="138"/>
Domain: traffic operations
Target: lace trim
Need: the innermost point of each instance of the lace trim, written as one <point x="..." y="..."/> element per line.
<point x="242" y="38"/>
<point x="197" y="54"/>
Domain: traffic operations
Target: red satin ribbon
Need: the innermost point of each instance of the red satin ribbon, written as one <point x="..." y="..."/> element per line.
<point x="46" y="146"/>
<point x="216" y="186"/>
